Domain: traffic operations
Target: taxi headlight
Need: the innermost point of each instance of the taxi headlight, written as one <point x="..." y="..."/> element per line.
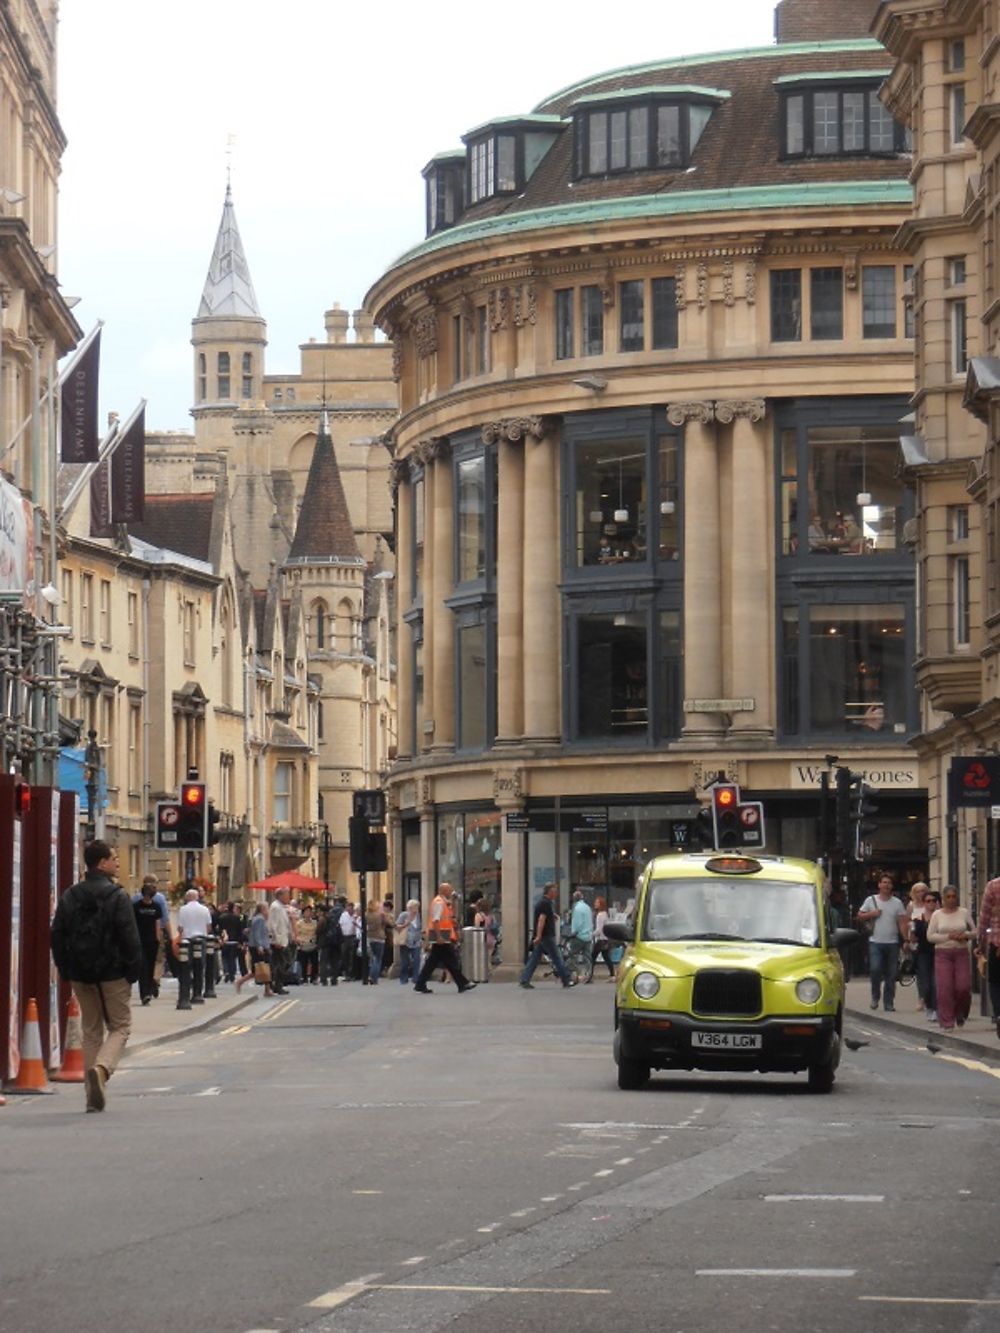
<point x="645" y="985"/>
<point x="808" y="990"/>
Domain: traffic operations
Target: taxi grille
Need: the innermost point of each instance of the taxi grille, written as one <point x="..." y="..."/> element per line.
<point x="726" y="991"/>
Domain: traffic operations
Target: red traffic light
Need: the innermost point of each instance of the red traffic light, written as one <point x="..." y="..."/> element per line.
<point x="725" y="815"/>
<point x="725" y="798"/>
<point x="192" y="793"/>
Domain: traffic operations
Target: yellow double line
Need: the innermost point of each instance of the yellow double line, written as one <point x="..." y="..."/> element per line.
<point x="278" y="1011"/>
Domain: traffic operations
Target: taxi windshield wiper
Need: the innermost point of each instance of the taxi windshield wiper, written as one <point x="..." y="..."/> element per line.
<point x="781" y="939"/>
<point x="707" y="935"/>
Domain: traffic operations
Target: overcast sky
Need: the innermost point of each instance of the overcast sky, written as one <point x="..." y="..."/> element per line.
<point x="334" y="107"/>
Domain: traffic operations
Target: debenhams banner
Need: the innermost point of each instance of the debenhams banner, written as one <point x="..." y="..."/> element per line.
<point x="886" y="774"/>
<point x="17" y="552"/>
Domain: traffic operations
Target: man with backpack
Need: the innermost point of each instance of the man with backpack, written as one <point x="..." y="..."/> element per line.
<point x="95" y="945"/>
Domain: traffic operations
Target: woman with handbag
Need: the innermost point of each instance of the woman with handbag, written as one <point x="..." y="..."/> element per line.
<point x="260" y="951"/>
<point x="407" y="932"/>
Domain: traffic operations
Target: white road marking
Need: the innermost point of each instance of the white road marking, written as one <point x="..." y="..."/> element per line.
<point x="518" y="1291"/>
<point x="492" y="1227"/>
<point x="523" y="1212"/>
<point x="451" y="1244"/>
<point x="331" y="1299"/>
<point x="927" y="1300"/>
<point x="613" y="1124"/>
<point x="417" y="1259"/>
<point x="824" y="1198"/>
<point x="550" y="1198"/>
<point x="208" y="1092"/>
<point x="608" y="1171"/>
<point x="366" y="1191"/>
<point x="775" y="1272"/>
<point x="170" y="1089"/>
<point x="581" y="1186"/>
<point x="624" y="1161"/>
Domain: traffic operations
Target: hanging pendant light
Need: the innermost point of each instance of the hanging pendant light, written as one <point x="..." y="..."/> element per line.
<point x="621" y="513"/>
<point x="864" y="495"/>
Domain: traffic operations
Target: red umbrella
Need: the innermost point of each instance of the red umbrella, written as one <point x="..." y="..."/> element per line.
<point x="289" y="879"/>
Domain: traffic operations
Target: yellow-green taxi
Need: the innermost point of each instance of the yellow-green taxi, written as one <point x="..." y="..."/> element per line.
<point x="731" y="963"/>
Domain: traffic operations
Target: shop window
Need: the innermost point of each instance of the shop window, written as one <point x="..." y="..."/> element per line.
<point x="611" y="502"/>
<point x="846" y="670"/>
<point x="853" y="494"/>
<point x="611" y="675"/>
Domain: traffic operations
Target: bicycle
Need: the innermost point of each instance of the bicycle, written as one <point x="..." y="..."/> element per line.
<point x="577" y="957"/>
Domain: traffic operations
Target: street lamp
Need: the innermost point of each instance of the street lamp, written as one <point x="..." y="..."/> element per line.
<point x="92" y="774"/>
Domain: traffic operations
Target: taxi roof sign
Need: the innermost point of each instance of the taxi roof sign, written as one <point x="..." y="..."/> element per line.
<point x="733" y="865"/>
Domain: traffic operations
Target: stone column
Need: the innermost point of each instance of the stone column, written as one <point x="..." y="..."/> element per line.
<point x="428" y="848"/>
<point x="751" y="581"/>
<point x="702" y="645"/>
<point x="510" y="592"/>
<point x="542" y="632"/>
<point x="406" y="741"/>
<point x="442" y="645"/>
<point x="425" y="739"/>
<point x="513" y="847"/>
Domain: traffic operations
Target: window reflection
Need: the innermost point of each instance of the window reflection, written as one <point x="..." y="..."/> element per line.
<point x="611" y="674"/>
<point x="853" y="493"/>
<point x="471" y="519"/>
<point x="611" y="503"/>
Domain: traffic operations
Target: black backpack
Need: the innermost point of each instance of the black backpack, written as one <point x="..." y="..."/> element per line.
<point x="90" y="940"/>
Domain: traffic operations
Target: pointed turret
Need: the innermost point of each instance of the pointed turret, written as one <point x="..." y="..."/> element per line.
<point x="228" y="288"/>
<point x="229" y="333"/>
<point x="324" y="533"/>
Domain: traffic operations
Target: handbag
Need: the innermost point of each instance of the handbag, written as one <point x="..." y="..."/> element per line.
<point x="262" y="973"/>
<point x="399" y="934"/>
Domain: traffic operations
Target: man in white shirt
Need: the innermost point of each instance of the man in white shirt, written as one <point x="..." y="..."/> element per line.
<point x="889" y="922"/>
<point x="194" y="922"/>
<point x="349" y="943"/>
<point x="279" y="927"/>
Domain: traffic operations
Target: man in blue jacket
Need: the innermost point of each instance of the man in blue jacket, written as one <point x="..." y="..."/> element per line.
<point x="95" y="945"/>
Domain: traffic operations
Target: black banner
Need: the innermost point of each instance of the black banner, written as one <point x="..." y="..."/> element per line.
<point x="80" y="440"/>
<point x="128" y="474"/>
<point x="100" y="501"/>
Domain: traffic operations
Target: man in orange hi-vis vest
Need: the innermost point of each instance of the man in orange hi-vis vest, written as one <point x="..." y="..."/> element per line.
<point x="442" y="936"/>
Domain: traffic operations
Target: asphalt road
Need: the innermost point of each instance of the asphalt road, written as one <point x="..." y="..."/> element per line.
<point x="358" y="1160"/>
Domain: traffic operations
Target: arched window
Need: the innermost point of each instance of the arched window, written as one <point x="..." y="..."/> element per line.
<point x="345" y="624"/>
<point x="247" y="375"/>
<point x="202" y="377"/>
<point x="222" y="377"/>
<point x="321" y="627"/>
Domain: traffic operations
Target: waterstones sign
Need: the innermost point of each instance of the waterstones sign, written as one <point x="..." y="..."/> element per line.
<point x="881" y="773"/>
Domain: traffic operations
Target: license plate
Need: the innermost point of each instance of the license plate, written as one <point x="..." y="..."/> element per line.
<point x="727" y="1041"/>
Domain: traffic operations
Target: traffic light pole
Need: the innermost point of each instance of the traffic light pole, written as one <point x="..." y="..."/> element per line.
<point x="365" y="969"/>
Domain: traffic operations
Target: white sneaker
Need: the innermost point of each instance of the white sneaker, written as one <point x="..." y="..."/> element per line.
<point x="931" y="1016"/>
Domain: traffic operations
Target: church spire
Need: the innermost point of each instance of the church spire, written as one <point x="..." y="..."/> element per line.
<point x="228" y="289"/>
<point x="324" y="531"/>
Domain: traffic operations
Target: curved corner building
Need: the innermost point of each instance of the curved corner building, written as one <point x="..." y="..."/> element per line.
<point x="654" y="358"/>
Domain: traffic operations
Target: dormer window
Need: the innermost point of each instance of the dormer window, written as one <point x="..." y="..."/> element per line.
<point x="841" y="116"/>
<point x="640" y="129"/>
<point x="445" y="176"/>
<point x="503" y="155"/>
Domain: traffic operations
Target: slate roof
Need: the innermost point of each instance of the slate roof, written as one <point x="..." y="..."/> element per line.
<point x="181" y="523"/>
<point x="228" y="289"/>
<point x="324" y="531"/>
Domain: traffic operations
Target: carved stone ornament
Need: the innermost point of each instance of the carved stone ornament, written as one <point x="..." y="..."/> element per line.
<point x="753" y="409"/>
<point x="515" y="429"/>
<point x="728" y="295"/>
<point x="426" y="793"/>
<point x="437" y="446"/>
<point x="851" y="271"/>
<point x="531" y="303"/>
<point x="607" y="289"/>
<point x="508" y="786"/>
<point x="679" y="413"/>
<point x="680" y="287"/>
<point x="399" y="473"/>
<point x="499" y="308"/>
<point x="397" y="359"/>
<point x="751" y="282"/>
<point x="702" y="286"/>
<point x="425" y="333"/>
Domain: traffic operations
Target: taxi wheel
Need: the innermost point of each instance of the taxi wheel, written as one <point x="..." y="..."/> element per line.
<point x="632" y="1075"/>
<point x="821" y="1076"/>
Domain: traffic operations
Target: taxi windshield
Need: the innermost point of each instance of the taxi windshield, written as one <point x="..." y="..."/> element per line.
<point x="730" y="908"/>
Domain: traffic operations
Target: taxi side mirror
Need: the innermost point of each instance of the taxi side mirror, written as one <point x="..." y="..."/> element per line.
<point x="843" y="936"/>
<point x="620" y="931"/>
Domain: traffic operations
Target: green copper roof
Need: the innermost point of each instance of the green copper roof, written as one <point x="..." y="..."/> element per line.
<point x="715" y="57"/>
<point x="659" y="90"/>
<point x="750" y="198"/>
<point x="833" y="76"/>
<point x="534" y="120"/>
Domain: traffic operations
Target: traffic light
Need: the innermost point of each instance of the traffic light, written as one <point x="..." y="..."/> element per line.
<point x="862" y="812"/>
<point x="368" y="849"/>
<point x="213" y="833"/>
<point x="192" y="824"/>
<point x="726" y="815"/>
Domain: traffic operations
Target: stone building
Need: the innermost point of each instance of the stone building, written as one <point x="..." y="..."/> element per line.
<point x="654" y="355"/>
<point x="944" y="85"/>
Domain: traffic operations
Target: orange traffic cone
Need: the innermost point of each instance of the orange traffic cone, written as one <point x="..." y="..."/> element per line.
<point x="31" y="1074"/>
<point x="72" y="1065"/>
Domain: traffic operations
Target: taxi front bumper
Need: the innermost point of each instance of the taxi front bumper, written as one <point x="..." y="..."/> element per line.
<point x="683" y="1041"/>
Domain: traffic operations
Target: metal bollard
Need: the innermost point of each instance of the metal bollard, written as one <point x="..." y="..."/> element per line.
<point x="198" y="969"/>
<point x="210" y="946"/>
<point x="184" y="975"/>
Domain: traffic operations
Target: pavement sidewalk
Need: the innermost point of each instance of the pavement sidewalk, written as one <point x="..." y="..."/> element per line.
<point x="977" y="1038"/>
<point x="161" y="1021"/>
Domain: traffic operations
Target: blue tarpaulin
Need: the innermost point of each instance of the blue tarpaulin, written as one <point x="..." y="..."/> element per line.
<point x="73" y="777"/>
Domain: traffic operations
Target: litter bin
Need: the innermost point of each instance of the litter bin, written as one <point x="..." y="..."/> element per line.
<point x="475" y="964"/>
